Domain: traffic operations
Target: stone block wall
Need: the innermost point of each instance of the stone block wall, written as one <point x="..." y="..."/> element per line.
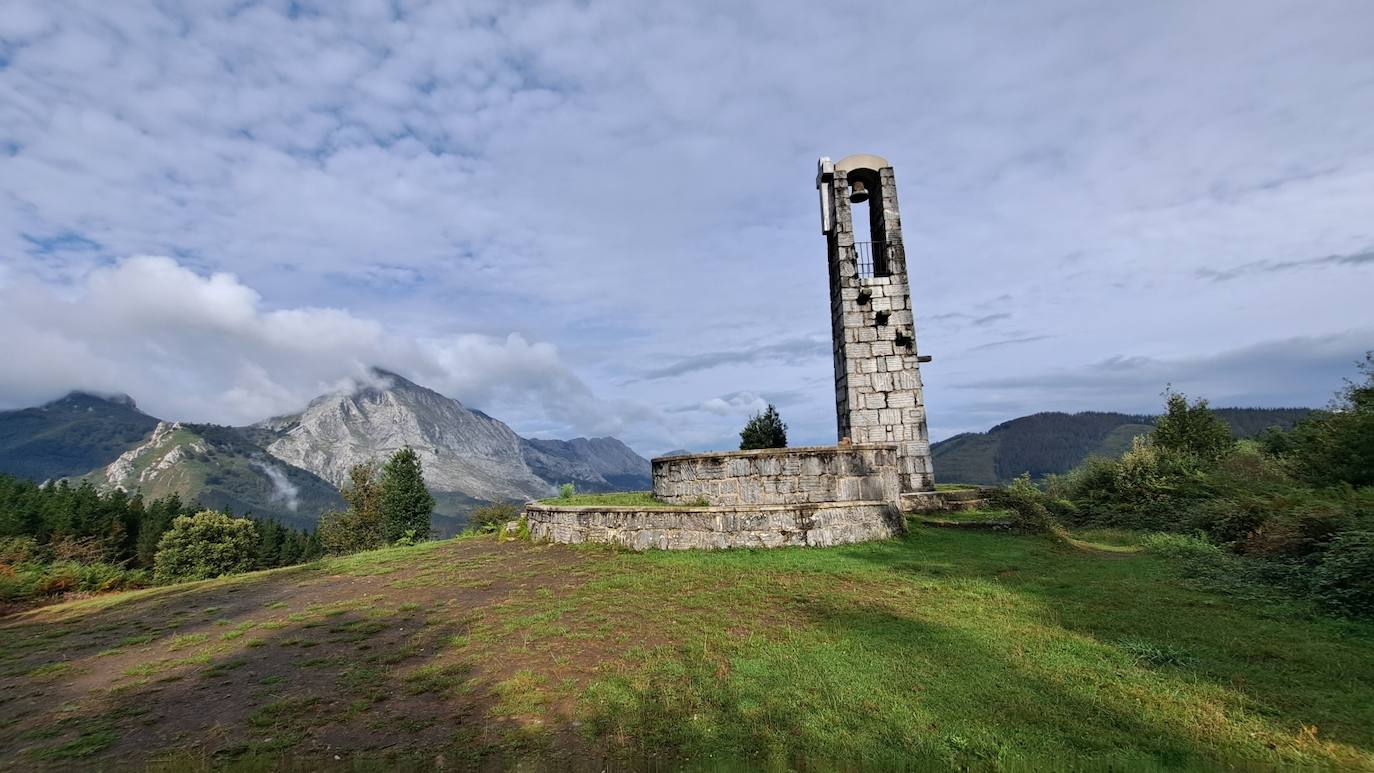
<point x="783" y="476"/>
<point x="879" y="397"/>
<point x="751" y="526"/>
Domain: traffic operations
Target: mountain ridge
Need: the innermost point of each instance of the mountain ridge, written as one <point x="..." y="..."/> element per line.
<point x="1054" y="442"/>
<point x="70" y="435"/>
<point x="469" y="456"/>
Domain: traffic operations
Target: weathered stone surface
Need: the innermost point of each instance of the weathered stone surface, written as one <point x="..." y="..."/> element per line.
<point x="876" y="369"/>
<point x="944" y="501"/>
<point x="714" y="528"/>
<point x="780" y="476"/>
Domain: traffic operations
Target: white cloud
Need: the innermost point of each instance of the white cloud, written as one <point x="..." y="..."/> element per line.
<point x="629" y="187"/>
<point x="740" y="403"/>
<point x="194" y="347"/>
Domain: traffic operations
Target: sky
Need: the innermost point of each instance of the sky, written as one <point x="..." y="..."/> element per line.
<point x="596" y="218"/>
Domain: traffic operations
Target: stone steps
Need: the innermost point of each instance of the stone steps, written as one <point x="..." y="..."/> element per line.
<point x="945" y="501"/>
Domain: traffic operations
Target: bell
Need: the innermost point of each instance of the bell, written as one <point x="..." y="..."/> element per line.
<point x="859" y="192"/>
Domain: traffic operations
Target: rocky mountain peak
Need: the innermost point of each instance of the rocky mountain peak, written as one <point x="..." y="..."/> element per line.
<point x="461" y="450"/>
<point x="87" y="399"/>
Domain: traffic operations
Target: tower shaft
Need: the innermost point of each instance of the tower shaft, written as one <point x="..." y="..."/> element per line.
<point x="878" y="392"/>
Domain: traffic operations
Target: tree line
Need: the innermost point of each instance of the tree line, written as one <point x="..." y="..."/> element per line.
<point x="59" y="537"/>
<point x="387" y="504"/>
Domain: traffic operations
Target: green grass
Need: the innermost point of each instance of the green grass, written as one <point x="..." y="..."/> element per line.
<point x="958" y="646"/>
<point x="949" y="647"/>
<point x="187" y="641"/>
<point x="967" y="516"/>
<point x="83" y="745"/>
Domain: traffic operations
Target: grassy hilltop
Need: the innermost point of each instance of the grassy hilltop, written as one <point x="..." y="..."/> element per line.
<point x="946" y="647"/>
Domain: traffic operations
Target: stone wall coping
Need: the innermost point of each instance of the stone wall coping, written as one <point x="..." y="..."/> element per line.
<point x="541" y="507"/>
<point x="800" y="450"/>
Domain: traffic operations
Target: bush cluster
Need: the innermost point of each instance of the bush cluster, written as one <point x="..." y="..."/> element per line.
<point x="1297" y="506"/>
<point x="488" y="519"/>
<point x="36" y="579"/>
<point x="207" y="544"/>
<point x="1029" y="510"/>
<point x="59" y="538"/>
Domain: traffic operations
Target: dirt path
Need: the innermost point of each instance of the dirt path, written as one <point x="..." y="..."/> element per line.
<point x="362" y="659"/>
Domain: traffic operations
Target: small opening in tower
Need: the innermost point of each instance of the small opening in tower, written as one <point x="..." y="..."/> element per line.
<point x="859" y="214"/>
<point x="882" y="317"/>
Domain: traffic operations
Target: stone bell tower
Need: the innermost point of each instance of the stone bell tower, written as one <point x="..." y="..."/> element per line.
<point x="878" y="394"/>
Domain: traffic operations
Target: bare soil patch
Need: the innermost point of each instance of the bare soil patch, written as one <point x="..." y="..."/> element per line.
<point x="365" y="657"/>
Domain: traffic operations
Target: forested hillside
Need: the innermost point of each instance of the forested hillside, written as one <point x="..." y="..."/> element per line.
<point x="69" y="436"/>
<point x="223" y="469"/>
<point x="59" y="538"/>
<point x="1046" y="443"/>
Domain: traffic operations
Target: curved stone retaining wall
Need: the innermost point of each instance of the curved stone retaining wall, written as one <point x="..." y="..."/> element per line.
<point x="748" y="526"/>
<point x="780" y="476"/>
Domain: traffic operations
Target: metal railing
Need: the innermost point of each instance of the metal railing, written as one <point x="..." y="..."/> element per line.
<point x="874" y="259"/>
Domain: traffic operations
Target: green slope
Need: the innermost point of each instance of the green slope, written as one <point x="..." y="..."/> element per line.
<point x="223" y="469"/>
<point x="1048" y="443"/>
<point x="944" y="650"/>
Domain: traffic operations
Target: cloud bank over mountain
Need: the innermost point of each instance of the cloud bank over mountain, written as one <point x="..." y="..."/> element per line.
<point x="203" y="348"/>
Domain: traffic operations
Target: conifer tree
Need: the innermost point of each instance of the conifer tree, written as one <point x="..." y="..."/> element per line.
<point x="406" y="503"/>
<point x="764" y="430"/>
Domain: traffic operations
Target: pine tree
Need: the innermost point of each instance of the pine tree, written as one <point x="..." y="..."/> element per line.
<point x="764" y="430"/>
<point x="405" y="502"/>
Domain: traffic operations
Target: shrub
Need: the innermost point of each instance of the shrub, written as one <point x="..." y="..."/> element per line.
<point x="1249" y="467"/>
<point x="1293" y="524"/>
<point x="1337" y="446"/>
<point x="351" y="531"/>
<point x="567" y="491"/>
<point x="1191" y="429"/>
<point x="207" y="544"/>
<point x="1027" y="506"/>
<point x="18" y="550"/>
<point x="1189" y="546"/>
<point x="32" y="580"/>
<point x="490" y="518"/>
<point x="1345" y="578"/>
<point x="1148" y="487"/>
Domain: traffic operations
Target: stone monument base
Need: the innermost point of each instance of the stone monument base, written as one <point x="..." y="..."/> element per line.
<point x="826" y="495"/>
<point x="733" y="526"/>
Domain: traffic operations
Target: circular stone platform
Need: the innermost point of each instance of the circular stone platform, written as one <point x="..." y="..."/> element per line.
<point x="681" y="528"/>
<point x="824" y="495"/>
